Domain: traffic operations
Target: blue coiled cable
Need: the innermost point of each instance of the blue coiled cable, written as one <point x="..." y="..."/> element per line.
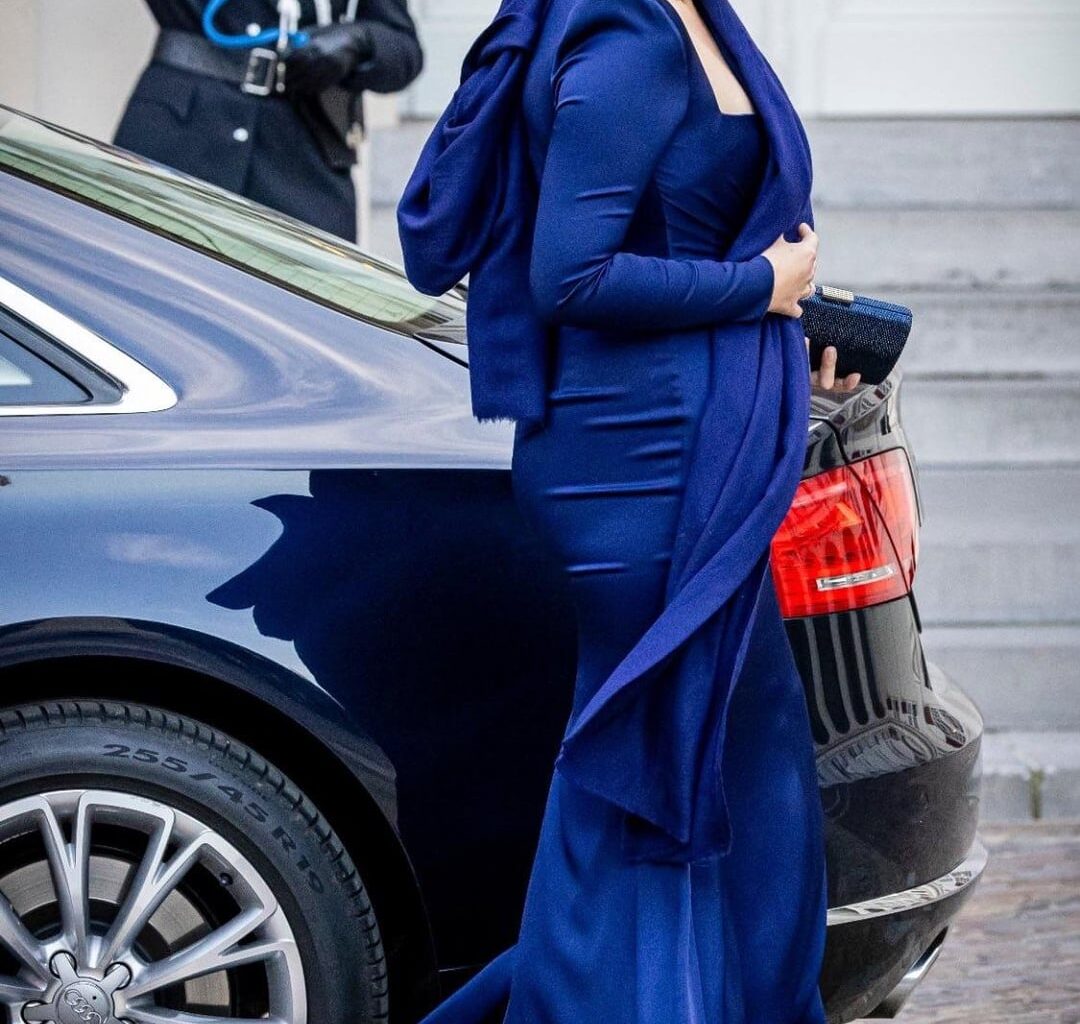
<point x="268" y="37"/>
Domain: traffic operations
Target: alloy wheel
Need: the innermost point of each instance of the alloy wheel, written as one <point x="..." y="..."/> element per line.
<point x="118" y="908"/>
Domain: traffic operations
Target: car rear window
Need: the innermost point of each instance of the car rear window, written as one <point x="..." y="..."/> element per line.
<point x="228" y="227"/>
<point x="27" y="379"/>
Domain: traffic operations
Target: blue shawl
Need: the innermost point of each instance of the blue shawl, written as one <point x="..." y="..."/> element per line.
<point x="469" y="206"/>
<point x="651" y="739"/>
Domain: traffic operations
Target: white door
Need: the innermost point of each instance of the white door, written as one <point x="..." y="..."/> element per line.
<point x="857" y="57"/>
<point x="932" y="56"/>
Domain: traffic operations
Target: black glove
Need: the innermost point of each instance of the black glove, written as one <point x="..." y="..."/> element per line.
<point x="332" y="53"/>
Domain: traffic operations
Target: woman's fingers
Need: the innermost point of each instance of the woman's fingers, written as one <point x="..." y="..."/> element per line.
<point x="825" y="375"/>
<point x="794" y="269"/>
<point x="827" y="371"/>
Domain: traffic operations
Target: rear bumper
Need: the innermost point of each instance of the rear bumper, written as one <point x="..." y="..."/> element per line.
<point x="881" y="948"/>
<point x="952" y="883"/>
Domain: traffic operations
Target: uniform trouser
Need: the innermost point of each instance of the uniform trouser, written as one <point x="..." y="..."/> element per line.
<point x="255" y="146"/>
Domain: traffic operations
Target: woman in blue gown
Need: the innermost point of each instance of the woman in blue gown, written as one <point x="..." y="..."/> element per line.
<point x="679" y="878"/>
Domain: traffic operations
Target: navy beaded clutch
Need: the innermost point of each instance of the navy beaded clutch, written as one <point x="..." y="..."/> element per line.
<point x="868" y="334"/>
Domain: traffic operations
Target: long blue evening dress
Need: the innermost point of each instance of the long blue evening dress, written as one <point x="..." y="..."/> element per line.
<point x="644" y="182"/>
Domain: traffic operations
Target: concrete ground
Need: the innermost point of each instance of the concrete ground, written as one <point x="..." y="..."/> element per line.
<point x="1013" y="954"/>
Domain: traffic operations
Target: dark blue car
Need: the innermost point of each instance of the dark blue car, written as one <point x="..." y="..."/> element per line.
<point x="282" y="671"/>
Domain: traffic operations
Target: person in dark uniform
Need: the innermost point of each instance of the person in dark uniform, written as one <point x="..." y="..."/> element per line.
<point x="276" y="135"/>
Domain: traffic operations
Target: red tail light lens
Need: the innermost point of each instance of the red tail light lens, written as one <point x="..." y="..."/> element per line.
<point x="850" y="538"/>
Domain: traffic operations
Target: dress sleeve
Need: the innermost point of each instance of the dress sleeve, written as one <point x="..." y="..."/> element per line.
<point x="620" y="87"/>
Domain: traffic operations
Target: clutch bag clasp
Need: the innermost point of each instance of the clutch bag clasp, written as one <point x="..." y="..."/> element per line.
<point x="836" y="294"/>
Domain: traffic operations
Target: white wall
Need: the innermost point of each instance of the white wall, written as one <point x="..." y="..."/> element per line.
<point x="74" y="61"/>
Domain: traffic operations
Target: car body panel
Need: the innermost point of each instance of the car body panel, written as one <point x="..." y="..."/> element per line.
<point x="265" y="377"/>
<point x="385" y="604"/>
<point x="897" y="750"/>
<point x="321" y="522"/>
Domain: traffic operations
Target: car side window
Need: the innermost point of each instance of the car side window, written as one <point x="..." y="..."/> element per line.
<point x="28" y="379"/>
<point x="39" y="373"/>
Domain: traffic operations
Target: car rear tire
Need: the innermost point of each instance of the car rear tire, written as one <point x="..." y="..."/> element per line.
<point x="155" y="866"/>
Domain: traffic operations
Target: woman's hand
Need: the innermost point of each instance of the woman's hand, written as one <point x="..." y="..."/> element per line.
<point x="794" y="264"/>
<point x="825" y="377"/>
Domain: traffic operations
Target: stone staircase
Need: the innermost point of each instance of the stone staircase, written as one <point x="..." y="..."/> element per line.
<point x="975" y="224"/>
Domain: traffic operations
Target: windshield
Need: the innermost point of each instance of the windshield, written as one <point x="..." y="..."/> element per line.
<point x="228" y="227"/>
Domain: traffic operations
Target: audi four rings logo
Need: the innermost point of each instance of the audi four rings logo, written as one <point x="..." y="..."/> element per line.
<point x="82" y="1008"/>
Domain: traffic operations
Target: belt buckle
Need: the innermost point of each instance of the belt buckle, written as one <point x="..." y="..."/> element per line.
<point x="261" y="72"/>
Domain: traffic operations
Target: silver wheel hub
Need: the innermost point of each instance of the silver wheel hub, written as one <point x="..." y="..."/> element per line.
<point x="118" y="909"/>
<point x="78" y="999"/>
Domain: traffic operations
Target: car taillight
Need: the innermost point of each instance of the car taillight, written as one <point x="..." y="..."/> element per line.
<point x="850" y="538"/>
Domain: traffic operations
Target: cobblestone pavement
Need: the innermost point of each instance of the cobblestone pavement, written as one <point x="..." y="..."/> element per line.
<point x="1013" y="953"/>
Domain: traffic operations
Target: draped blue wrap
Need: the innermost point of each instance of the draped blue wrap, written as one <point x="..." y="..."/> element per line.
<point x="654" y="750"/>
<point x="469" y="208"/>
<point x="651" y="739"/>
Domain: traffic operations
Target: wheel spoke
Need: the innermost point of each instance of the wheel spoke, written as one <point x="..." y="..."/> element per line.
<point x="153" y="881"/>
<point x="148" y="860"/>
<point x="13" y="990"/>
<point x="16" y="937"/>
<point x="69" y="864"/>
<point x="161" y="1015"/>
<point x="215" y="952"/>
<point x="39" y="1012"/>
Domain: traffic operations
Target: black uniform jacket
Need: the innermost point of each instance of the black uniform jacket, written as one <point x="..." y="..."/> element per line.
<point x="261" y="147"/>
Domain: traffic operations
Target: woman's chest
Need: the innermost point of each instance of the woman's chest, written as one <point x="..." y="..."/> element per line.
<point x="709" y="173"/>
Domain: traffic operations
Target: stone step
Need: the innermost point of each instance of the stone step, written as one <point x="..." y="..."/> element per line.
<point x="1020" y="676"/>
<point x="879" y="252"/>
<point x="1005" y="333"/>
<point x="1008" y="163"/>
<point x="957" y="246"/>
<point x="946" y="163"/>
<point x="936" y="269"/>
<point x="886" y="253"/>
<point x="992" y="422"/>
<point x="943" y="228"/>
<point x="1030" y="774"/>
<point x="999" y="546"/>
